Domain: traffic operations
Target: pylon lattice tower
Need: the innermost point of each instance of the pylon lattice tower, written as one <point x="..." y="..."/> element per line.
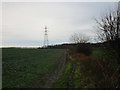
<point x="119" y="7"/>
<point x="45" y="37"/>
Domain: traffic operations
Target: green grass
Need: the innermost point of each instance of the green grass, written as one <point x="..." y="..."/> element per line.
<point x="62" y="82"/>
<point x="78" y="76"/>
<point x="98" y="53"/>
<point x="104" y="54"/>
<point x="22" y="67"/>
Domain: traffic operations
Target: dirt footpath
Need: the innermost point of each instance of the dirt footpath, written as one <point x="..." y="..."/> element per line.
<point x="50" y="79"/>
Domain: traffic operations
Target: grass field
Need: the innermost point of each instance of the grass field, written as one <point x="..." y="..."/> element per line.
<point x="27" y="67"/>
<point x="104" y="53"/>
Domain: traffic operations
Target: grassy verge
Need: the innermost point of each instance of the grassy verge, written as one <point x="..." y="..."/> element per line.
<point x="62" y="82"/>
<point x="78" y="77"/>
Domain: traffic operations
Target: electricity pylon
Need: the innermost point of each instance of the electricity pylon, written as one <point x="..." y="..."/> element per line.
<point x="45" y="37"/>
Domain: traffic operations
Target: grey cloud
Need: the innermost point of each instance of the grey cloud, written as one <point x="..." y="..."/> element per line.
<point x="25" y="21"/>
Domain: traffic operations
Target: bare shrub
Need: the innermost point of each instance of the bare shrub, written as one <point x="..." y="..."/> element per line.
<point x="98" y="72"/>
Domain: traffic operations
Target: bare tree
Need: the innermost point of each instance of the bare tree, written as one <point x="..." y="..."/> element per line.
<point x="109" y="26"/>
<point x="79" y="38"/>
<point x="82" y="45"/>
<point x="109" y="29"/>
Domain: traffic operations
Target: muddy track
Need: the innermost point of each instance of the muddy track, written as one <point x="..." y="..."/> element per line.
<point x="50" y="79"/>
<point x="70" y="78"/>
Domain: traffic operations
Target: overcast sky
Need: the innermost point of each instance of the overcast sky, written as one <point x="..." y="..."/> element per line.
<point x="23" y="23"/>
